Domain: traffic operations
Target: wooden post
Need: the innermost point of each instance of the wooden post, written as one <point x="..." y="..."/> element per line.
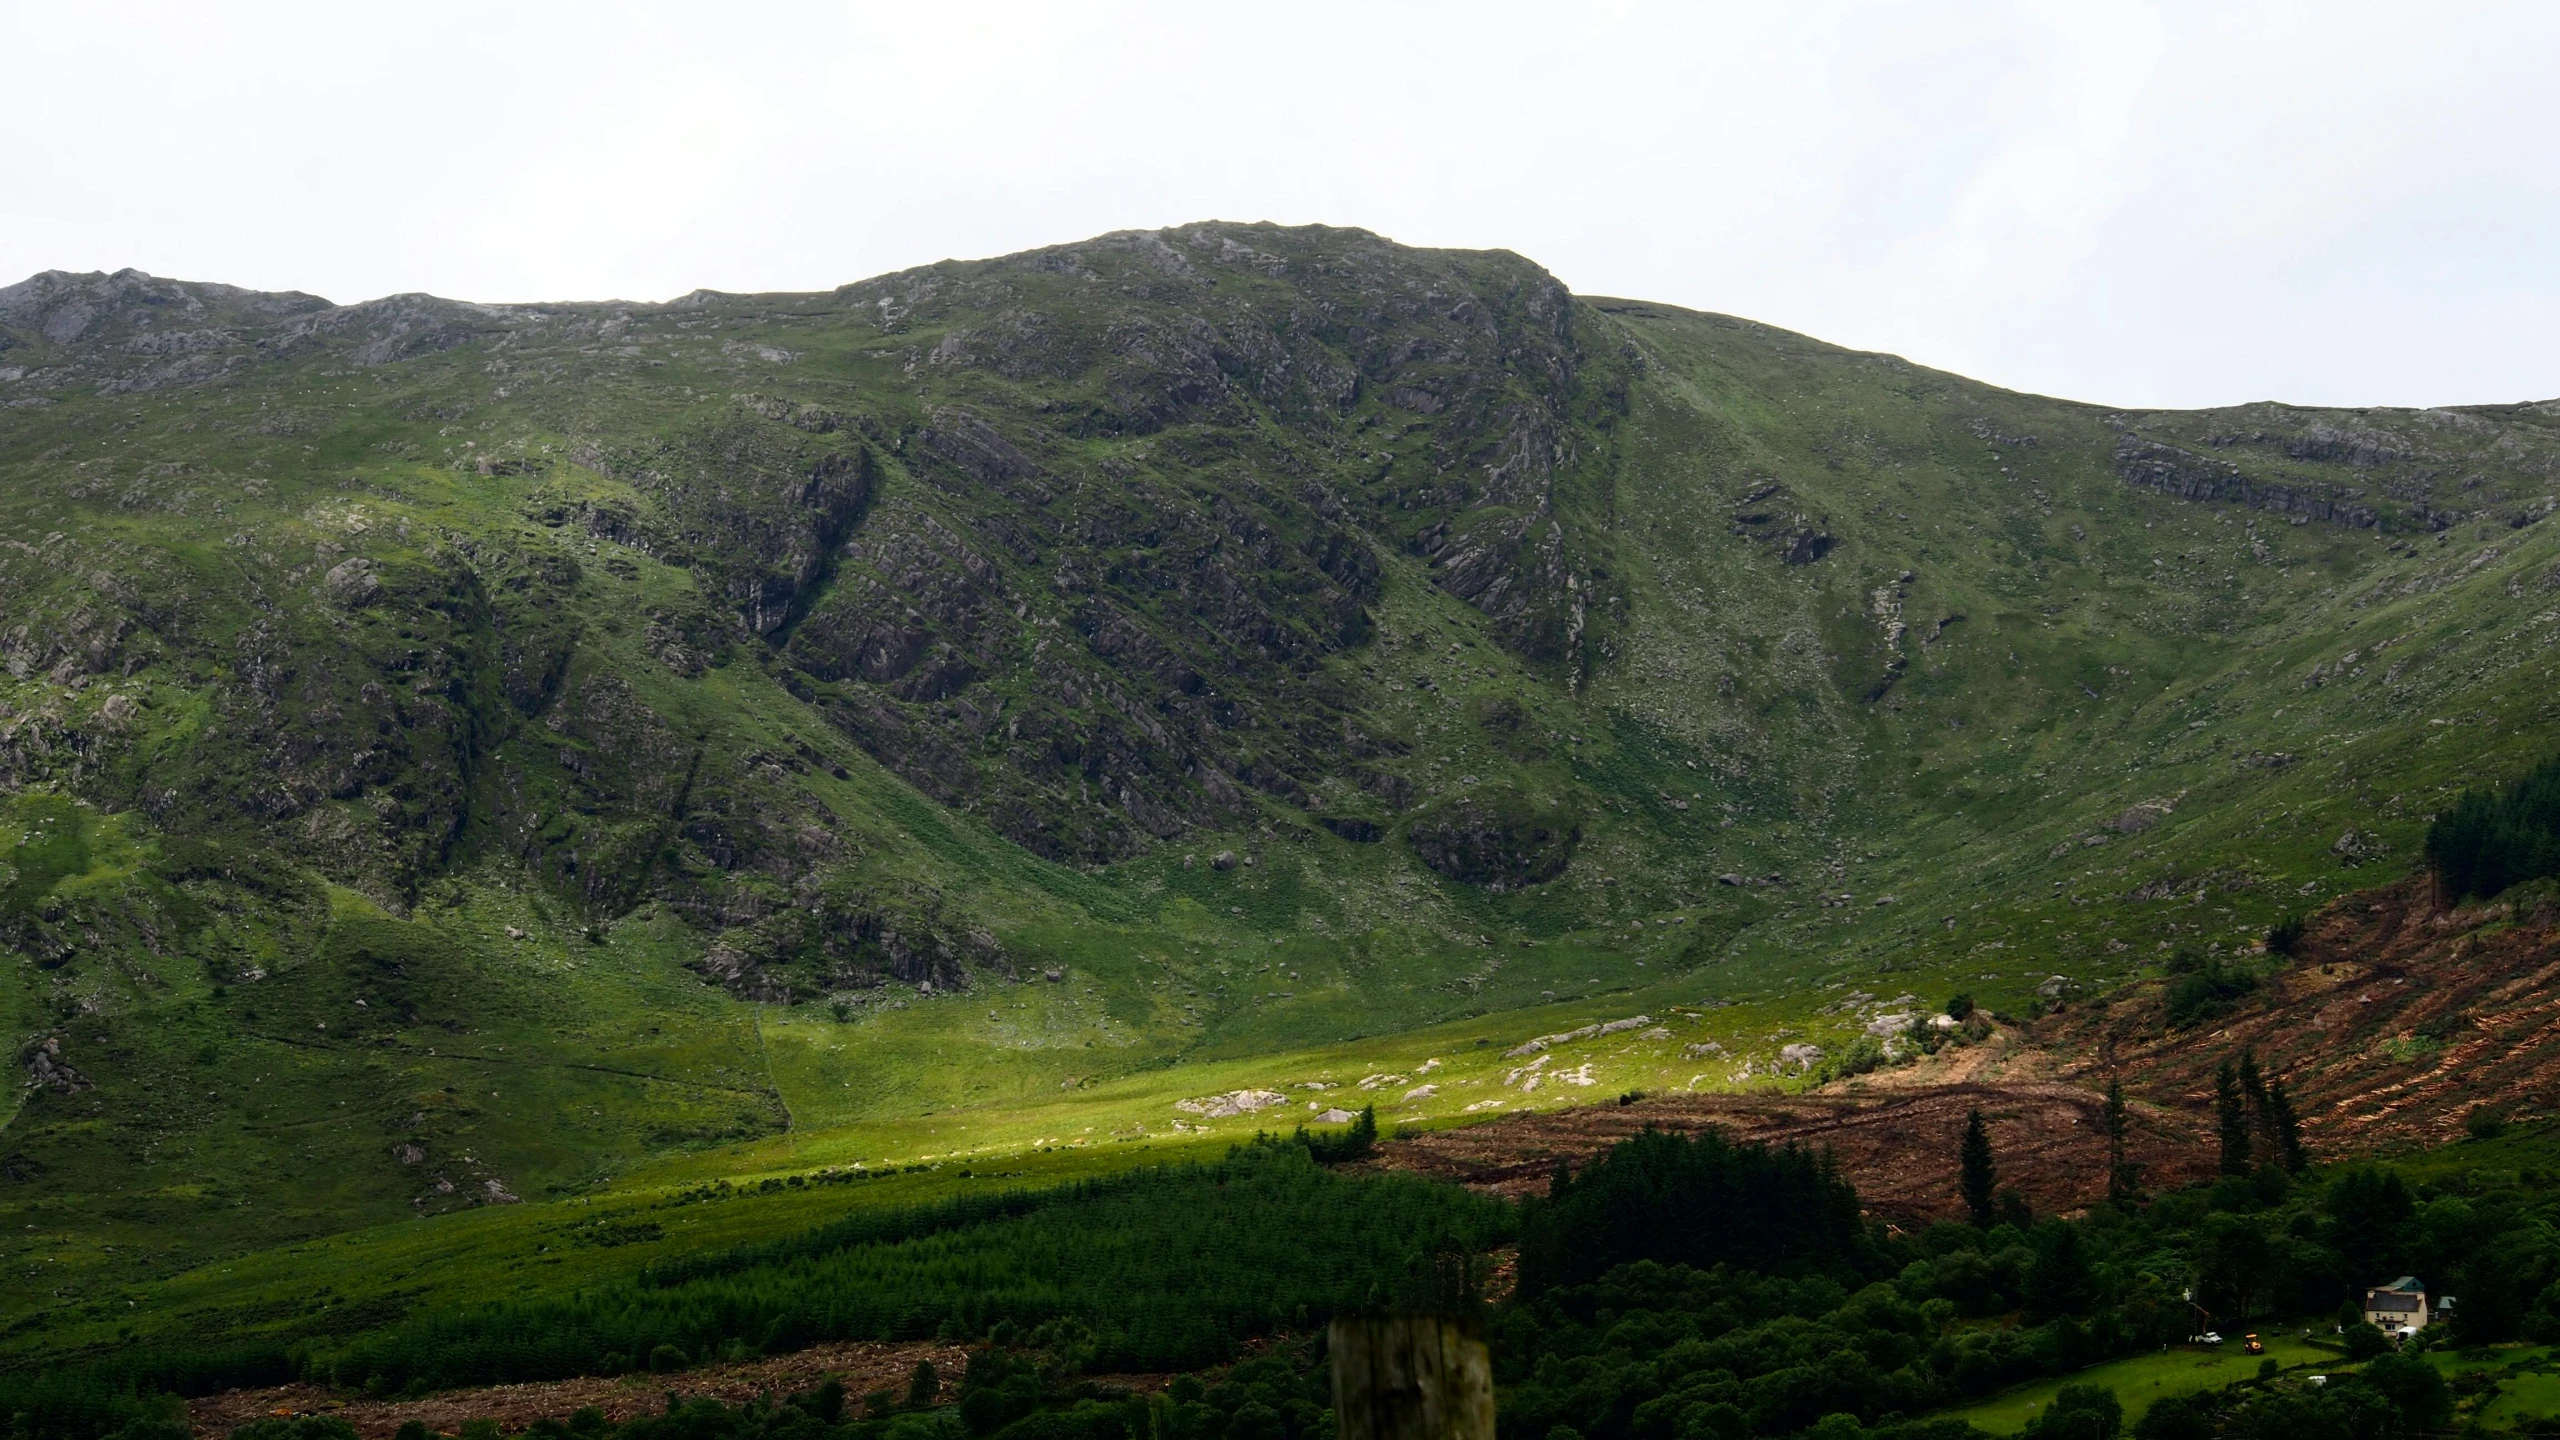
<point x="1406" y="1376"/>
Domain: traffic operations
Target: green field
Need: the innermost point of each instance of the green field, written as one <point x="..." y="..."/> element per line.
<point x="2143" y="1379"/>
<point x="2527" y="1386"/>
<point x="2528" y="1390"/>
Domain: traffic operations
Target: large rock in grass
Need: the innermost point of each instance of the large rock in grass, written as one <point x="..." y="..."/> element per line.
<point x="1499" y="839"/>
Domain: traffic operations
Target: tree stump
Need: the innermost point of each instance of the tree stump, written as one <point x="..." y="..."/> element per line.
<point x="1410" y="1377"/>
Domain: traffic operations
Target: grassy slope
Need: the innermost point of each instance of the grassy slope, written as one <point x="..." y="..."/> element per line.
<point x="2143" y="1380"/>
<point x="2117" y="648"/>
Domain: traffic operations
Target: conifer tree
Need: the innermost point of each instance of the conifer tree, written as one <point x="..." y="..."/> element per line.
<point x="2284" y="1128"/>
<point x="2122" y="1174"/>
<point x="1977" y="1176"/>
<point x="2253" y="1088"/>
<point x="2231" y="1120"/>
<point x="2253" y="1082"/>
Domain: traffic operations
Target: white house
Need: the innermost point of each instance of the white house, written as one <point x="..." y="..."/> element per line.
<point x="2399" y="1308"/>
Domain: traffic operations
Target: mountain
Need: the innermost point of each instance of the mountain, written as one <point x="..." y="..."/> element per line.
<point x="455" y="754"/>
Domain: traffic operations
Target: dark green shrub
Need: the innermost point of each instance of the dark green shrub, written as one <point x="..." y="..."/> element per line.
<point x="2415" y="1388"/>
<point x="2205" y="989"/>
<point x="924" y="1385"/>
<point x="2015" y="1212"/>
<point x="1858" y="1057"/>
<point x="1335" y="1147"/>
<point x="2176" y="1417"/>
<point x="2286" y="934"/>
<point x="996" y="1390"/>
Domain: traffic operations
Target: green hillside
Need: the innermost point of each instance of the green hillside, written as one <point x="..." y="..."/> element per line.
<point x="456" y="755"/>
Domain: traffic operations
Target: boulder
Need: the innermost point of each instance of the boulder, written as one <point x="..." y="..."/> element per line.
<point x="47" y="1068"/>
<point x="351" y="582"/>
<point x="1234" y="1102"/>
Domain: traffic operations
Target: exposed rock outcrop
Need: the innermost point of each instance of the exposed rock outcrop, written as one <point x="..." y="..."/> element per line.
<point x="47" y="1068"/>
<point x="2151" y="465"/>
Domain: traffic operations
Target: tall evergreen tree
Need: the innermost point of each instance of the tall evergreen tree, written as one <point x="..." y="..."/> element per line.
<point x="2253" y="1081"/>
<point x="2253" y="1089"/>
<point x="2231" y="1120"/>
<point x="2284" y="1128"/>
<point x="1977" y="1176"/>
<point x="2122" y="1175"/>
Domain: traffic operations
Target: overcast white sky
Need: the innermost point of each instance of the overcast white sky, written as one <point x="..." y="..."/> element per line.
<point x="2142" y="204"/>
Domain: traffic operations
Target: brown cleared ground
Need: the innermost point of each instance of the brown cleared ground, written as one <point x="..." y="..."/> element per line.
<point x="2393" y="1023"/>
<point x="1896" y="1142"/>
